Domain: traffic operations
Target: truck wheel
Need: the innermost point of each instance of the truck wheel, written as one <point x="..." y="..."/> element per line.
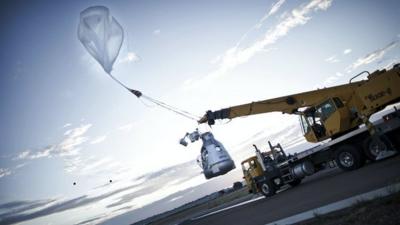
<point x="348" y="157"/>
<point x="373" y="146"/>
<point x="394" y="137"/>
<point x="267" y="188"/>
<point x="295" y="182"/>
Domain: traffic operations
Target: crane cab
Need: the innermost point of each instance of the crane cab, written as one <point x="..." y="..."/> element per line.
<point x="251" y="169"/>
<point x="325" y="120"/>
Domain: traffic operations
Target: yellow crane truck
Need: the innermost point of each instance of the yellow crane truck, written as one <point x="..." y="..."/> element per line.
<point x="339" y="116"/>
<point x="269" y="165"/>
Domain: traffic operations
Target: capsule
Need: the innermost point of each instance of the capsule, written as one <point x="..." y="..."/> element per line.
<point x="215" y="160"/>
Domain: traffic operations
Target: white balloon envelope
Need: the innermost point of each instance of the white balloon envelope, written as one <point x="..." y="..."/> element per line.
<point x="101" y="34"/>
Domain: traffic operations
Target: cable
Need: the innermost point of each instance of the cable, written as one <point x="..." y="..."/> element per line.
<point x="147" y="105"/>
<point x="159" y="103"/>
<point x="173" y="109"/>
<point x="119" y="82"/>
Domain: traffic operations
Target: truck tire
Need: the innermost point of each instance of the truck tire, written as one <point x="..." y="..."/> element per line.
<point x="348" y="157"/>
<point x="295" y="182"/>
<point x="268" y="188"/>
<point x="373" y="146"/>
<point x="394" y="137"/>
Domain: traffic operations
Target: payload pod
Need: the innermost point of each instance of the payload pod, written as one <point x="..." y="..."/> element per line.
<point x="215" y="160"/>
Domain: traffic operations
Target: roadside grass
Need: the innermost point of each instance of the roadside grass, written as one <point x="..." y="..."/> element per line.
<point x="227" y="198"/>
<point x="180" y="215"/>
<point x="378" y="211"/>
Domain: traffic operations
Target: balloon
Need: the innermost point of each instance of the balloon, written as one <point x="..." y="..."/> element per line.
<point x="101" y="35"/>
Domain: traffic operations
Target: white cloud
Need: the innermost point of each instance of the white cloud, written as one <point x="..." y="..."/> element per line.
<point x="157" y="32"/>
<point x="23" y="155"/>
<point x="330" y="80"/>
<point x="70" y="145"/>
<point x="216" y="59"/>
<point x="67" y="125"/>
<point x="74" y="138"/>
<point x="176" y="198"/>
<point x="72" y="164"/>
<point x="332" y="59"/>
<point x="236" y="56"/>
<point x="96" y="166"/>
<point x="28" y="154"/>
<point x="69" y="149"/>
<point x="130" y="57"/>
<point x="77" y="131"/>
<point x="20" y="165"/>
<point x="98" y="139"/>
<point x="41" y="154"/>
<point x="128" y="194"/>
<point x="371" y="57"/>
<point x="347" y="51"/>
<point x="275" y="7"/>
<point x="126" y="127"/>
<point x="390" y="64"/>
<point x="4" y="172"/>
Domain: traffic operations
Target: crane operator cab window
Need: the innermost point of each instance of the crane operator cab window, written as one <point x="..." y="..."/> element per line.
<point x="249" y="165"/>
<point x="253" y="164"/>
<point x="245" y="166"/>
<point x="325" y="110"/>
<point x="313" y="118"/>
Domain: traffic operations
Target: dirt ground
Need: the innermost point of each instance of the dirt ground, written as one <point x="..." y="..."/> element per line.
<point x="380" y="211"/>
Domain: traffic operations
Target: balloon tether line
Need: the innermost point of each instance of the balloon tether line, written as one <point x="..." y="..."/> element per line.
<point x="159" y="103"/>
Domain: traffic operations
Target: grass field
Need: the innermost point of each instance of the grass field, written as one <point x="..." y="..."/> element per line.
<point x="379" y="211"/>
<point x="220" y="202"/>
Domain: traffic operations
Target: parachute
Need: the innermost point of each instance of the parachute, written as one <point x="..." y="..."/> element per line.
<point x="101" y="34"/>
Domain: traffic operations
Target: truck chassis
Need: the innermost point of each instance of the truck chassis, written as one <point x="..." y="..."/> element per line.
<point x="349" y="152"/>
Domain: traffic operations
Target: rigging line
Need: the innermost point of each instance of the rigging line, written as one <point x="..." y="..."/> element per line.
<point x="186" y="113"/>
<point x="174" y="108"/>
<point x="119" y="82"/>
<point x="169" y="108"/>
<point x="182" y="111"/>
<point x="147" y="105"/>
<point x="162" y="104"/>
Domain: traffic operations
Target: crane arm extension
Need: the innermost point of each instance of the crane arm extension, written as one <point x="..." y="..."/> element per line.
<point x="286" y="104"/>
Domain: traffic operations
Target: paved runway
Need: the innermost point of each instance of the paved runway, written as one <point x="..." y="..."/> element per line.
<point x="318" y="190"/>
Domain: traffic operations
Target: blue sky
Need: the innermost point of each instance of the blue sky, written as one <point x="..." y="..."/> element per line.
<point x="64" y="120"/>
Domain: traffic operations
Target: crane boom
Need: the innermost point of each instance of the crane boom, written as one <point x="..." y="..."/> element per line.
<point x="328" y="112"/>
<point x="287" y="104"/>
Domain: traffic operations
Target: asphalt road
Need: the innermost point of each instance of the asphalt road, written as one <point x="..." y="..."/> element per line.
<point x="316" y="191"/>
